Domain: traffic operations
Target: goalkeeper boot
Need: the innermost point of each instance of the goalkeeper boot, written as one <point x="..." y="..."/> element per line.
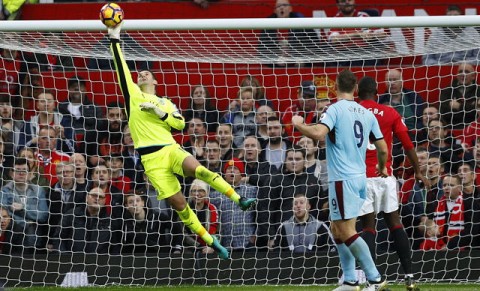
<point x="411" y="284"/>
<point x="246" y="203"/>
<point x="376" y="286"/>
<point x="348" y="286"/>
<point x="221" y="251"/>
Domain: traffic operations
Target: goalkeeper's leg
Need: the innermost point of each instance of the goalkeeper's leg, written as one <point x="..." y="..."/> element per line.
<point x="192" y="168"/>
<point x="190" y="220"/>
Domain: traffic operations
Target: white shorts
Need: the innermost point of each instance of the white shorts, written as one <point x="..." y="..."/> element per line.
<point x="381" y="196"/>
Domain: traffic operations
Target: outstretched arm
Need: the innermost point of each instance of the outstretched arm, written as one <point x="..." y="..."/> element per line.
<point x="314" y="131"/>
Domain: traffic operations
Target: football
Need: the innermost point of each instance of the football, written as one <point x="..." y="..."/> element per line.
<point x="111" y="14"/>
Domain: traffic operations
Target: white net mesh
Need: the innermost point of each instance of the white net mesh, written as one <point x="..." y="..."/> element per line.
<point x="69" y="249"/>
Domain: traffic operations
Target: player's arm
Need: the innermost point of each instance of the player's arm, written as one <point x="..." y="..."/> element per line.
<point x="166" y="111"/>
<point x="382" y="155"/>
<point x="127" y="85"/>
<point x="314" y="131"/>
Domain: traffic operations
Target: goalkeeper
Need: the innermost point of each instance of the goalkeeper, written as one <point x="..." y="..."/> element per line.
<point x="150" y="119"/>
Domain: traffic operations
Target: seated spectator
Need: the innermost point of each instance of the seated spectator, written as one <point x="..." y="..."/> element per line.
<point x="201" y="106"/>
<point x="224" y="136"/>
<point x="115" y="165"/>
<point x="261" y="117"/>
<point x="277" y="45"/>
<point x="47" y="155"/>
<point x="11" y="128"/>
<point x="80" y="170"/>
<point x="250" y="81"/>
<point x="407" y="102"/>
<point x="213" y="161"/>
<point x="432" y="240"/>
<point x="132" y="165"/>
<point x="471" y="131"/>
<point x="207" y="214"/>
<point x="102" y="178"/>
<point x="162" y="206"/>
<point x="89" y="229"/>
<point x="421" y="135"/>
<point x="27" y="204"/>
<point x="243" y="119"/>
<point x="446" y="38"/>
<point x="237" y="230"/>
<point x="197" y="132"/>
<point x="9" y="73"/>
<point x="312" y="164"/>
<point x="302" y="232"/>
<point x="358" y="40"/>
<point x="276" y="146"/>
<point x="146" y="230"/>
<point x="107" y="138"/>
<point x="452" y="213"/>
<point x="79" y="112"/>
<point x="458" y="101"/>
<point x="47" y="116"/>
<point x="12" y="236"/>
<point x="35" y="175"/>
<point x="305" y="106"/>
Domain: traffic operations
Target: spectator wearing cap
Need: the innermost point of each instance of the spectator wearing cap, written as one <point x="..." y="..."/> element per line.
<point x="237" y="229"/>
<point x="407" y="102"/>
<point x="305" y="106"/>
<point x="79" y="113"/>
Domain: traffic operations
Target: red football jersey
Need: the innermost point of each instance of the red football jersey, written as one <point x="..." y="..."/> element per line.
<point x="49" y="165"/>
<point x="390" y="123"/>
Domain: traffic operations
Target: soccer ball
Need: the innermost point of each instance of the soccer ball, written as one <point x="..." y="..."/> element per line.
<point x="111" y="14"/>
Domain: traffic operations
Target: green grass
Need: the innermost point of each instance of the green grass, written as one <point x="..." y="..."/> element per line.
<point x="423" y="287"/>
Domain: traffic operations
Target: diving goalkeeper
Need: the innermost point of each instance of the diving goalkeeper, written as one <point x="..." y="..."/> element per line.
<point x="150" y="119"/>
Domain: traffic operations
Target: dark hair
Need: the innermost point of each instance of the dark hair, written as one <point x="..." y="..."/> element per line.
<point x="202" y="121"/>
<point x="20" y="162"/>
<point x="297" y="148"/>
<point x="208" y="98"/>
<point x="454" y="8"/>
<point x="367" y="88"/>
<point x="346" y="81"/>
<point x="273" y="118"/>
<point x="115" y="104"/>
<point x="76" y="80"/>
<point x="454" y="176"/>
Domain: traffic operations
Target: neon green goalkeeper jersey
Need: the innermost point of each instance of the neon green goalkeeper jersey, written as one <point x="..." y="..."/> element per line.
<point x="147" y="128"/>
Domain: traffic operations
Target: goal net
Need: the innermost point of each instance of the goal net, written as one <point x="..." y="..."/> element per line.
<point x="62" y="110"/>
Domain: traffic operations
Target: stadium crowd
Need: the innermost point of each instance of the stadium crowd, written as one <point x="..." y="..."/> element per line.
<point x="73" y="182"/>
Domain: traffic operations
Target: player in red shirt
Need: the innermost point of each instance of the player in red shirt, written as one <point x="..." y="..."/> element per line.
<point x="382" y="192"/>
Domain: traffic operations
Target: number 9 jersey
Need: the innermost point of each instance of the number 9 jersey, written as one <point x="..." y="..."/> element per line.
<point x="352" y="127"/>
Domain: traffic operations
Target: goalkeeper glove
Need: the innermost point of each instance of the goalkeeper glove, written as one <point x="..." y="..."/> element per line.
<point x="147" y="106"/>
<point x="114" y="32"/>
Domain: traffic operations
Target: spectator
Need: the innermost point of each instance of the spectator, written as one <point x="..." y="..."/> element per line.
<point x="107" y="138"/>
<point x="407" y="102"/>
<point x="48" y="157"/>
<point x="237" y="230"/>
<point x="261" y="117"/>
<point x="357" y="39"/>
<point x="466" y="172"/>
<point x="276" y="147"/>
<point x="302" y="232"/>
<point x="305" y="106"/>
<point x="35" y="174"/>
<point x="197" y="132"/>
<point x="250" y="81"/>
<point x="11" y="128"/>
<point x="162" y="206"/>
<point x="201" y="106"/>
<point x="471" y="131"/>
<point x="242" y="120"/>
<point x="89" y="229"/>
<point x="213" y="161"/>
<point x="458" y="101"/>
<point x="9" y="73"/>
<point x="115" y="165"/>
<point x="260" y="173"/>
<point x="47" y="116"/>
<point x="207" y="214"/>
<point x="429" y="113"/>
<point x="132" y="166"/>
<point x="279" y="45"/>
<point x="451" y="213"/>
<point x="432" y="240"/>
<point x="27" y="204"/>
<point x="3" y="168"/>
<point x="80" y="170"/>
<point x="146" y="230"/>
<point x="446" y="38"/>
<point x="79" y="112"/>
<point x="312" y="164"/>
<point x="12" y="236"/>
<point x="63" y="196"/>
<point x="101" y="178"/>
<point x="224" y="137"/>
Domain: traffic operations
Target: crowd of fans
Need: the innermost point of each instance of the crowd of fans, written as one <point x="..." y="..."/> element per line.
<point x="73" y="182"/>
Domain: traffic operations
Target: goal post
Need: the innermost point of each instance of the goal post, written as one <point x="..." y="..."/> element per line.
<point x="220" y="54"/>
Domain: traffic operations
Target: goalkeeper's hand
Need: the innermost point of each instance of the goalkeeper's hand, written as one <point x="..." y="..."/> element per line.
<point x="114" y="32"/>
<point x="149" y="107"/>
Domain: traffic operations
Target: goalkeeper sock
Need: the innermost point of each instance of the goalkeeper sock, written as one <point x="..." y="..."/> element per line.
<point x="217" y="182"/>
<point x="190" y="220"/>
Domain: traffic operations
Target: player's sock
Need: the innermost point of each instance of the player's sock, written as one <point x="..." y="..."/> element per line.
<point x="402" y="246"/>
<point x="217" y="182"/>
<point x="347" y="261"/>
<point x="368" y="235"/>
<point x="191" y="221"/>
<point x="360" y="251"/>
